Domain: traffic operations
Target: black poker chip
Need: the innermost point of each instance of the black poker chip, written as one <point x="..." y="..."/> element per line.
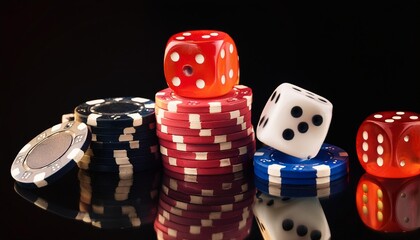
<point x="116" y="112"/>
<point x="51" y="154"/>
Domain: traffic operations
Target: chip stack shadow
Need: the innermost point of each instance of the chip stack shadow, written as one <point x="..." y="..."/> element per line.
<point x="123" y="135"/>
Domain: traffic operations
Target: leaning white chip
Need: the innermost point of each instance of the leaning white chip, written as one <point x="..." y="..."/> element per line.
<point x="51" y="154"/>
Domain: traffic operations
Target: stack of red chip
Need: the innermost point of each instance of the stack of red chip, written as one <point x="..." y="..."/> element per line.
<point x="205" y="136"/>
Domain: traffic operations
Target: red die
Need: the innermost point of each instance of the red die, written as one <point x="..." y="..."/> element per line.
<point x="201" y="63"/>
<point x="389" y="205"/>
<point x="388" y="144"/>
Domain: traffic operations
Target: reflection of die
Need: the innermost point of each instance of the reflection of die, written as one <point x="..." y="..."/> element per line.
<point x="290" y="218"/>
<point x="389" y="204"/>
<point x="201" y="63"/>
<point x="295" y="121"/>
<point x="388" y="144"/>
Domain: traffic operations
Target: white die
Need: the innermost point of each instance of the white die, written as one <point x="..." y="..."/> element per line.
<point x="295" y="121"/>
<point x="290" y="218"/>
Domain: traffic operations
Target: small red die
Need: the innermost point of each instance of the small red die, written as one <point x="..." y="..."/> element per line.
<point x="388" y="144"/>
<point x="201" y="63"/>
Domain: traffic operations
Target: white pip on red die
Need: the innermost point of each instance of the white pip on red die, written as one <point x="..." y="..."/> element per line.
<point x="295" y="121"/>
<point x="201" y="63"/>
<point x="290" y="218"/>
<point x="388" y="144"/>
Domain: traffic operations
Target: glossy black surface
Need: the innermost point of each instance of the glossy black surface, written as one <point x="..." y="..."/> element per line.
<point x="56" y="56"/>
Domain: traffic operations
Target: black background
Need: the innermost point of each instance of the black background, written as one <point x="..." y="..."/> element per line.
<point x="360" y="56"/>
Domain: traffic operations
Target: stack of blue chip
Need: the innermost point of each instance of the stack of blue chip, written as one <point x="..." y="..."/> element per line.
<point x="283" y="175"/>
<point x="123" y="135"/>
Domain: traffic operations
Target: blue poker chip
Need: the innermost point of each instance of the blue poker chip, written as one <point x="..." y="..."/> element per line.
<point x="330" y="160"/>
<point x="116" y="112"/>
<point x="297" y="191"/>
<point x="298" y="181"/>
<point x="51" y="154"/>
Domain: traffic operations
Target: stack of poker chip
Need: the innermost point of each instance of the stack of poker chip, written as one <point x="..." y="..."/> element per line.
<point x="283" y="175"/>
<point x="112" y="202"/>
<point x="205" y="136"/>
<point x="205" y="206"/>
<point x="123" y="135"/>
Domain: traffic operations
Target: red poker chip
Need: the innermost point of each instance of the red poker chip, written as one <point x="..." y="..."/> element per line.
<point x="204" y="125"/>
<point x="203" y="132"/>
<point x="229" y="234"/>
<point x="205" y="139"/>
<point x="209" y="171"/>
<point x="201" y="117"/>
<point x="201" y="222"/>
<point x="206" y="155"/>
<point x="239" y="97"/>
<point x="206" y="214"/>
<point x="209" y="189"/>
<point x="211" y="163"/>
<point x="208" y="179"/>
<point x="208" y="147"/>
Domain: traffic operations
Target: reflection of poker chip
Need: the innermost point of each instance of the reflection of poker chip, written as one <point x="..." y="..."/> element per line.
<point x="205" y="139"/>
<point x="205" y="155"/>
<point x="51" y="154"/>
<point x="239" y="97"/>
<point x="203" y="132"/>
<point x="118" y="221"/>
<point x="235" y="233"/>
<point x="114" y="202"/>
<point x="204" y="230"/>
<point x="113" y="112"/>
<point x="216" y="188"/>
<point x="197" y="203"/>
<point x="206" y="215"/>
<point x="202" y="117"/>
<point x="330" y="160"/>
<point x="110" y="189"/>
<point x="208" y="147"/>
<point x="204" y="125"/>
<point x="201" y="222"/>
<point x="315" y="190"/>
<point x="207" y="200"/>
